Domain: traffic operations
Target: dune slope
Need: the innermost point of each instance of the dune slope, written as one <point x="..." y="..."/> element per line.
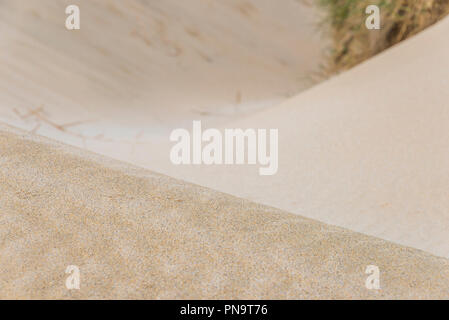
<point x="144" y="66"/>
<point x="367" y="150"/>
<point x="136" y="234"/>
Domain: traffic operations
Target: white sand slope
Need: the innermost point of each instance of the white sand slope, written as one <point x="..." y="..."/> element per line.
<point x="368" y="150"/>
<point x="139" y="68"/>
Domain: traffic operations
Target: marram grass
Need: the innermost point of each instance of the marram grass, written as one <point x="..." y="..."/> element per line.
<point x="353" y="42"/>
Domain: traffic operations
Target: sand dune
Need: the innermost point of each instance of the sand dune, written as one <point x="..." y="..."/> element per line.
<point x="139" y="68"/>
<point x="137" y="234"/>
<point x="367" y="150"/>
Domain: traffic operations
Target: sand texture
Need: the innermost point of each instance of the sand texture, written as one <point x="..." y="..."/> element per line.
<point x="136" y="234"/>
<point x="367" y="150"/>
<point x="142" y="67"/>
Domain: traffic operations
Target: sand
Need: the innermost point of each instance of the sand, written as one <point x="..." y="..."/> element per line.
<point x="135" y="234"/>
<point x="136" y="69"/>
<point x="367" y="150"/>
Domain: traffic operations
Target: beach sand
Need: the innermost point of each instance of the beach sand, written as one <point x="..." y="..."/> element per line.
<point x="137" y="69"/>
<point x="362" y="177"/>
<point x="135" y="234"/>
<point x="367" y="150"/>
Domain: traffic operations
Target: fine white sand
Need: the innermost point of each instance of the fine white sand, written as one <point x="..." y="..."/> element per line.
<point x="368" y="150"/>
<point x="136" y="69"/>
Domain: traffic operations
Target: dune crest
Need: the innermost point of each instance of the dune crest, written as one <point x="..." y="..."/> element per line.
<point x="135" y="234"/>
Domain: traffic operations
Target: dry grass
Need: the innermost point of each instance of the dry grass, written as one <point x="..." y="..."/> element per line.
<point x="400" y="19"/>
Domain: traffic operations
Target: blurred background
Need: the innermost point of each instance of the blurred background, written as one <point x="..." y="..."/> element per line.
<point x="154" y="65"/>
<point x="352" y="43"/>
<point x="138" y="69"/>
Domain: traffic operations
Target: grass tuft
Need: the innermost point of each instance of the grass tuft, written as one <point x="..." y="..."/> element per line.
<point x="353" y="43"/>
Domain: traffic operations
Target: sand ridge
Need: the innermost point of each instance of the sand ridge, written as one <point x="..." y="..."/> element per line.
<point x="136" y="234"/>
